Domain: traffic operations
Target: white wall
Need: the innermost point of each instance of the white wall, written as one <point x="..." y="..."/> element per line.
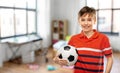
<point x="114" y="41"/>
<point x="68" y="9"/>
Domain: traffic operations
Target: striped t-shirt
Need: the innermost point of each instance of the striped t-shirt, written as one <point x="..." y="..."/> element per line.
<point x="91" y="52"/>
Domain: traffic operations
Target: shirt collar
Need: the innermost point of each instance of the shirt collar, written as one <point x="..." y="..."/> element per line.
<point x="95" y="35"/>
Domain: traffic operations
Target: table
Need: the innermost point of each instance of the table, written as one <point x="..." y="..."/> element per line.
<point x="20" y="46"/>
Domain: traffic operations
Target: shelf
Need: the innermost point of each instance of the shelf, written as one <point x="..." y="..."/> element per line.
<point x="59" y="30"/>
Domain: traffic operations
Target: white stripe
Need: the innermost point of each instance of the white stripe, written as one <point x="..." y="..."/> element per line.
<point x="109" y="48"/>
<point x="90" y="49"/>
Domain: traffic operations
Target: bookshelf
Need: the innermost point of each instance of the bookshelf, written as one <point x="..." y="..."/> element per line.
<point x="59" y="30"/>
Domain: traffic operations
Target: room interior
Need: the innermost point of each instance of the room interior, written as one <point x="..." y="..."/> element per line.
<point x="31" y="48"/>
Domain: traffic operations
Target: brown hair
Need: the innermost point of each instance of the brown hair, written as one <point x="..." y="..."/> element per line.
<point x="87" y="10"/>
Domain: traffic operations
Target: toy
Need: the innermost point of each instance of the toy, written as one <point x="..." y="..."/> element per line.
<point x="68" y="53"/>
<point x="33" y="66"/>
<point x="50" y="68"/>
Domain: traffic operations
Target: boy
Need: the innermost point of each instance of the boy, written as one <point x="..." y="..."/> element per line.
<point x="91" y="45"/>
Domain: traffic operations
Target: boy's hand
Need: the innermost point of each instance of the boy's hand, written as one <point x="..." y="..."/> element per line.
<point x="60" y="61"/>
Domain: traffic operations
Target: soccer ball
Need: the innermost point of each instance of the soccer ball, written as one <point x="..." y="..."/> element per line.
<point x="68" y="53"/>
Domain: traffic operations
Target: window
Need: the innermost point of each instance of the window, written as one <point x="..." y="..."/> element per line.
<point x="108" y="15"/>
<point x="31" y="22"/>
<point x="104" y="20"/>
<point x="17" y="17"/>
<point x="20" y="22"/>
<point x="6" y="22"/>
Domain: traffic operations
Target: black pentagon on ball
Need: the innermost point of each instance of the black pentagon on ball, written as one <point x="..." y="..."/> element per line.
<point x="67" y="48"/>
<point x="60" y="56"/>
<point x="71" y="58"/>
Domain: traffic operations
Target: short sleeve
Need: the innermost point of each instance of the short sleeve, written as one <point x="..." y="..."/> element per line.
<point x="71" y="41"/>
<point x="107" y="49"/>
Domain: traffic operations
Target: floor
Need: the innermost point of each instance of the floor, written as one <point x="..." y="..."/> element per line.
<point x="40" y="66"/>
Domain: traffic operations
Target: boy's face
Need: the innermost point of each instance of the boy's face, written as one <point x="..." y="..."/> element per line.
<point x="87" y="21"/>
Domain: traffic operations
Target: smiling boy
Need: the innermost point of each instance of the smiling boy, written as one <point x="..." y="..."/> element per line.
<point x="91" y="45"/>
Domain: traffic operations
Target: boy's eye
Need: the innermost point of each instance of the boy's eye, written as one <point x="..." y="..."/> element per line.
<point x="82" y="19"/>
<point x="88" y="19"/>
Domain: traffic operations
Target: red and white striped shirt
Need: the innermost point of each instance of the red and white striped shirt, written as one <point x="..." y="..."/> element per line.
<point x="91" y="52"/>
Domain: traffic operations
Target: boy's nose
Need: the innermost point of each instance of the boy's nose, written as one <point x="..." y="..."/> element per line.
<point x="86" y="22"/>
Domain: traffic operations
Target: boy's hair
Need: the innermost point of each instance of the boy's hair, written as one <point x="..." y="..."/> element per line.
<point x="87" y="10"/>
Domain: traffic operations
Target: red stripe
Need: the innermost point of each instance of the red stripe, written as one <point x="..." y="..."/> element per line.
<point x="87" y="59"/>
<point x="107" y="52"/>
<point x="88" y="66"/>
<point x="83" y="71"/>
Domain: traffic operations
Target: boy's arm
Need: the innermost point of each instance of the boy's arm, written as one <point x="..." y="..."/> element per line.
<point x="109" y="64"/>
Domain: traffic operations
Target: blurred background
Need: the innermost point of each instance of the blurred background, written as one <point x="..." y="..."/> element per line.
<point x="51" y="22"/>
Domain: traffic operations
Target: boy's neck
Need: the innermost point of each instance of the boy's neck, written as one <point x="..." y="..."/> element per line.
<point x="89" y="34"/>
